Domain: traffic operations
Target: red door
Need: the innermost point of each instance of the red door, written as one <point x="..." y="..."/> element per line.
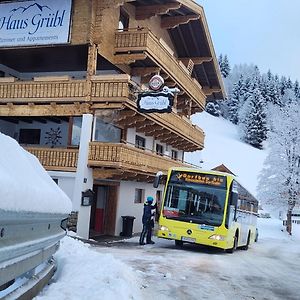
<point x="100" y="209"/>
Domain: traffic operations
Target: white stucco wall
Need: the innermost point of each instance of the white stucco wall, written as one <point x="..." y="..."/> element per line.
<point x="66" y="181"/>
<point x="127" y="207"/>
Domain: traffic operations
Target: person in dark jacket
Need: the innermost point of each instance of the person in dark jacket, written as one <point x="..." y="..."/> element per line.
<point x="148" y="221"/>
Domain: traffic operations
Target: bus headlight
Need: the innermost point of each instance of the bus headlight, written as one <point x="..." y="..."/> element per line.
<point x="217" y="237"/>
<point x="163" y="228"/>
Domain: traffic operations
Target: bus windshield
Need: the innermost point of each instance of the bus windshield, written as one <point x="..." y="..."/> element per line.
<point x="196" y="203"/>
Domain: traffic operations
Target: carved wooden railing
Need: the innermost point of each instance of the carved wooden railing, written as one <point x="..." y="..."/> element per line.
<point x="143" y="40"/>
<point x="59" y="159"/>
<point x="114" y="87"/>
<point x="183" y="126"/>
<point x="39" y="91"/>
<point x="114" y="155"/>
<point x="128" y="157"/>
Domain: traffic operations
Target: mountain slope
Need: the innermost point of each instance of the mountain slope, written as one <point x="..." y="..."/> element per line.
<point x="223" y="146"/>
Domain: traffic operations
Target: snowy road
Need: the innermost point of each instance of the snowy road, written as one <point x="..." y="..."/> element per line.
<point x="269" y="270"/>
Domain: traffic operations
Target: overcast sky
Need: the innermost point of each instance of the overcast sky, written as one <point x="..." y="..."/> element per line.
<point x="263" y="32"/>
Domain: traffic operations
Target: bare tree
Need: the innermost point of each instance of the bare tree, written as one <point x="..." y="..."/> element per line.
<point x="279" y="182"/>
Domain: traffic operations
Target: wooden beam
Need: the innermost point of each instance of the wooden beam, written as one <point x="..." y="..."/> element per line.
<point x="128" y="58"/>
<point x="99" y="173"/>
<point x="170" y="83"/>
<point x="174" y="21"/>
<point x="144" y="71"/>
<point x="147" y="11"/>
<point x="196" y="60"/>
<point x="210" y="91"/>
<point x="44" y="110"/>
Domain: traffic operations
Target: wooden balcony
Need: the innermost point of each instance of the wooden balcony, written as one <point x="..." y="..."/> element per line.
<point x="119" y="160"/>
<point x="137" y="44"/>
<point x="109" y="160"/>
<point x="56" y="159"/>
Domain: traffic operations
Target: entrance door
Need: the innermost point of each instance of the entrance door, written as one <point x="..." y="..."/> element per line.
<point x="98" y="210"/>
<point x="103" y="212"/>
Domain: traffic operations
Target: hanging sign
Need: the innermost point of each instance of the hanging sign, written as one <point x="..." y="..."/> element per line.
<point x="158" y="99"/>
<point x="39" y="22"/>
<point x="149" y="102"/>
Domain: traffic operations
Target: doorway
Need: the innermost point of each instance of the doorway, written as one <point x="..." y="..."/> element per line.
<point x="103" y="210"/>
<point x="98" y="210"/>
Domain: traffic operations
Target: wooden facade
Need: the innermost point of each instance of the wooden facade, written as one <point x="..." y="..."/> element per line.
<point x="114" y="48"/>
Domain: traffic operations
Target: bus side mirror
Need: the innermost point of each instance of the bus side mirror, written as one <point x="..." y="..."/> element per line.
<point x="234" y="199"/>
<point x="157" y="179"/>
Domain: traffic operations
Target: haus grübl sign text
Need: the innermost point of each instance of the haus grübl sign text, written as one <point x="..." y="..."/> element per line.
<point x="39" y="22"/>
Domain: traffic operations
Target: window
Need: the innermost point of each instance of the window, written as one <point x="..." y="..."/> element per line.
<point x="140" y="142"/>
<point x="105" y="132"/>
<point x="124" y="19"/>
<point x="30" y="136"/>
<point x="174" y="154"/>
<point x="76" y="130"/>
<point x="159" y="149"/>
<point x="139" y="196"/>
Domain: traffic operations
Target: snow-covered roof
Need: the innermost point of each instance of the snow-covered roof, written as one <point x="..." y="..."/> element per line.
<point x="25" y="185"/>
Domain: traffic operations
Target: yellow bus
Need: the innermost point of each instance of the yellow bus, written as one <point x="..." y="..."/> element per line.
<point x="208" y="208"/>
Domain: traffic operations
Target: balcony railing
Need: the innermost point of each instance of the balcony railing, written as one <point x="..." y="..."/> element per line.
<point x="128" y="157"/>
<point x="41" y="90"/>
<point x="59" y="159"/>
<point x="137" y="41"/>
<point x="109" y="155"/>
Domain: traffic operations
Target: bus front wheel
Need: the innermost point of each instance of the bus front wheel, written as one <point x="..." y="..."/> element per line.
<point x="235" y="243"/>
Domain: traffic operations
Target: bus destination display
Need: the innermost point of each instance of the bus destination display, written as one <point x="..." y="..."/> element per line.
<point x="199" y="178"/>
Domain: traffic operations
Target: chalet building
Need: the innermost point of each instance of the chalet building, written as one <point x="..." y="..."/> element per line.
<point x="70" y="75"/>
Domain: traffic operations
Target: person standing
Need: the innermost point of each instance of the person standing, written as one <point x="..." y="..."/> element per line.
<point x="148" y="221"/>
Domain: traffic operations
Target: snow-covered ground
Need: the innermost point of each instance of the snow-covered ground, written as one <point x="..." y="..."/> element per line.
<point x="270" y="269"/>
<point x="223" y="146"/>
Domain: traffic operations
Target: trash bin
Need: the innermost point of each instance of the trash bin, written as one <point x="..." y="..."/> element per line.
<point x="127" y="226"/>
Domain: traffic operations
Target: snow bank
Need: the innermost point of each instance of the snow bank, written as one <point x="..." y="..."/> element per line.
<point x="223" y="146"/>
<point x="25" y="185"/>
<point x="86" y="274"/>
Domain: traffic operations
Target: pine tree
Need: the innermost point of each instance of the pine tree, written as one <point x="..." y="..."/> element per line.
<point x="236" y="100"/>
<point x="252" y="116"/>
<point x="297" y="89"/>
<point x="213" y="109"/>
<point x="224" y="65"/>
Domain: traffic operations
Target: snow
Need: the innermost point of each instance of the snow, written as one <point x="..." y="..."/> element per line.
<point x="161" y="271"/>
<point x="223" y="146"/>
<point x="25" y="185"/>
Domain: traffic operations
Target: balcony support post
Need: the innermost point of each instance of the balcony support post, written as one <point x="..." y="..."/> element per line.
<point x="84" y="178"/>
